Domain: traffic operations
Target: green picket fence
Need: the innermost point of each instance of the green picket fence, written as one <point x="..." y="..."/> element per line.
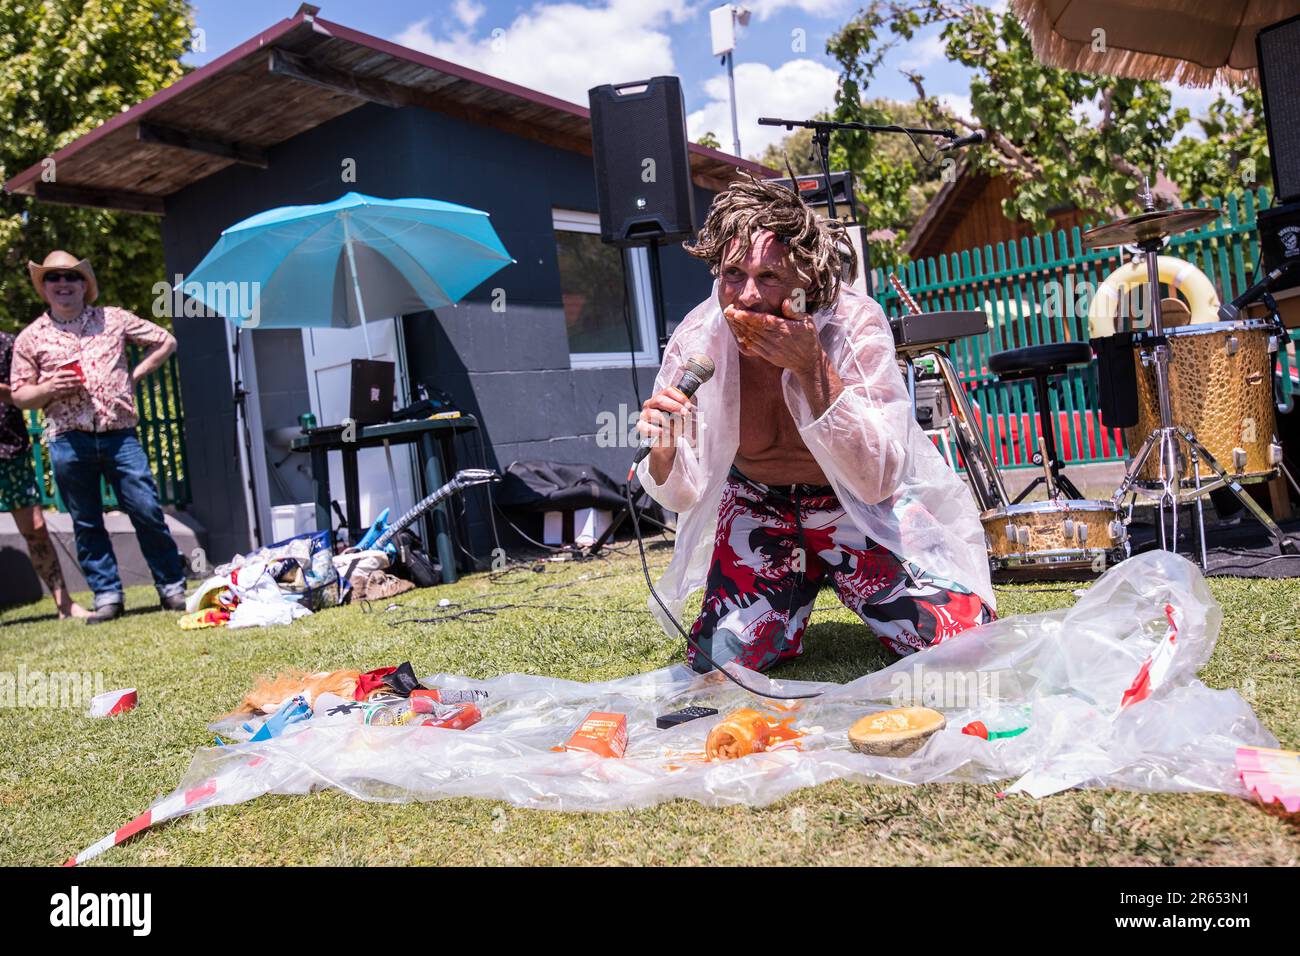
<point x="1009" y="281"/>
<point x="161" y="432"/>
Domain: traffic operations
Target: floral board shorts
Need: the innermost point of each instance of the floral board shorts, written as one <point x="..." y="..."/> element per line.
<point x="18" y="483"/>
<point x="777" y="546"/>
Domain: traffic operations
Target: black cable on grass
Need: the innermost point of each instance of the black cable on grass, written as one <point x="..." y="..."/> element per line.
<point x="536" y="567"/>
<point x="490" y="611"/>
<point x="571" y="549"/>
<point x="585" y="579"/>
<point x="1020" y="590"/>
<point x="1211" y="569"/>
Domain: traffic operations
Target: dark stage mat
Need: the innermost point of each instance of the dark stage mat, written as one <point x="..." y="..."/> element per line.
<point x="1244" y="550"/>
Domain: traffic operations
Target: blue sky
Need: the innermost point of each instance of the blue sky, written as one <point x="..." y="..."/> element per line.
<point x="564" y="48"/>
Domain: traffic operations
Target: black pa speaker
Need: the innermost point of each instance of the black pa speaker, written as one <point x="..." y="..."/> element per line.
<point x="1278" y="50"/>
<point x="1279" y="243"/>
<point x="643" y="173"/>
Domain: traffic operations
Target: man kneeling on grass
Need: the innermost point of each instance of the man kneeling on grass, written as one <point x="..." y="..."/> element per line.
<point x="800" y="463"/>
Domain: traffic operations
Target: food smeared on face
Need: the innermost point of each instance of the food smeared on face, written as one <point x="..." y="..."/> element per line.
<point x="744" y="324"/>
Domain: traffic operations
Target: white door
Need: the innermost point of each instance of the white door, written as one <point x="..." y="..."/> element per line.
<point x="328" y="354"/>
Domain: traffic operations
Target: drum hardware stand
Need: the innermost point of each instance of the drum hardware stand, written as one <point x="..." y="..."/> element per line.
<point x="985" y="480"/>
<point x="1282" y="337"/>
<point x="939" y="424"/>
<point x="1172" y="494"/>
<point x="1052" y="490"/>
<point x="1165" y="439"/>
<point x="1290" y="477"/>
<point x="1052" y="476"/>
<point x="1199" y="500"/>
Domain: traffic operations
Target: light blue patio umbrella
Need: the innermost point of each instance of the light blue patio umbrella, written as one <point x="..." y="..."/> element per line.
<point x="330" y="265"/>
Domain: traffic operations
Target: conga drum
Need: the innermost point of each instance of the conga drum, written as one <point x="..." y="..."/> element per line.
<point x="1221" y="389"/>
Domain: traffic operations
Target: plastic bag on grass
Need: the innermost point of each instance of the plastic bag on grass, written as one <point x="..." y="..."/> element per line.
<point x="1108" y="689"/>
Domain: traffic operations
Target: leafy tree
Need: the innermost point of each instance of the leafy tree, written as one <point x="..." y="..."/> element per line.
<point x="710" y="140"/>
<point x="1232" y="156"/>
<point x="1062" y="137"/>
<point x="66" y="66"/>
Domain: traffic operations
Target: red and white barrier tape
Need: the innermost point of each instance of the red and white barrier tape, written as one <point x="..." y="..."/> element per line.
<point x="176" y="805"/>
<point x="1156" y="667"/>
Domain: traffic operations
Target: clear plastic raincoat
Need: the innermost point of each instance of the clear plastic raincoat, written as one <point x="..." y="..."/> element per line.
<point x="889" y="477"/>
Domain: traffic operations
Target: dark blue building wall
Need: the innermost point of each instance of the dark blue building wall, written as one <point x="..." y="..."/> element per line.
<point x="509" y="368"/>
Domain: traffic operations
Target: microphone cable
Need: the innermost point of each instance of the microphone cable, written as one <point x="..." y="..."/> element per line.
<point x="645" y="569"/>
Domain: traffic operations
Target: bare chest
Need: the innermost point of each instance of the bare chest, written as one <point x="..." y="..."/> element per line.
<point x="770" y="448"/>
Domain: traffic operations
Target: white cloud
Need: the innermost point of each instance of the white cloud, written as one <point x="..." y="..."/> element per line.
<point x="921" y="53"/>
<point x="958" y="103"/>
<point x="468" y="12"/>
<point x="764" y="9"/>
<point x="562" y="49"/>
<point x="798" y="89"/>
<point x="1196" y="99"/>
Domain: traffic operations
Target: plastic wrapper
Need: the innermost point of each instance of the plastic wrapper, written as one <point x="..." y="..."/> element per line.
<point x="1149" y="622"/>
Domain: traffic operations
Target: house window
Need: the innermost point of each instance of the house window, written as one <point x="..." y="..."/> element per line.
<point x="606" y="292"/>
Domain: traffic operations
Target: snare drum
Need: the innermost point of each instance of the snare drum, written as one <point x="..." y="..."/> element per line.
<point x="1063" y="537"/>
<point x="1221" y="389"/>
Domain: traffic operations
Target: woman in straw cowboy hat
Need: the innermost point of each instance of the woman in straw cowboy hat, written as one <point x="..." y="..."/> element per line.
<point x="72" y="363"/>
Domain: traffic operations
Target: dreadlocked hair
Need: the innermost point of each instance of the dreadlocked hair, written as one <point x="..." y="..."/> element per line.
<point x="820" y="249"/>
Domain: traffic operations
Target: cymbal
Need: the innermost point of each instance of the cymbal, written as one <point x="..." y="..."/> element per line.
<point x="1147" y="226"/>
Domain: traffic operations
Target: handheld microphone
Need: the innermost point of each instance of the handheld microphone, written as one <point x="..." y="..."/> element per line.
<point x="973" y="139"/>
<point x="1231" y="311"/>
<point x="697" y="370"/>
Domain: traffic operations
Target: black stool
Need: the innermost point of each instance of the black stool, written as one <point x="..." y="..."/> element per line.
<point x="1041" y="362"/>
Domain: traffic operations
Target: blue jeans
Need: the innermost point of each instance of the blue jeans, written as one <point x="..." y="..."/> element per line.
<point x="80" y="460"/>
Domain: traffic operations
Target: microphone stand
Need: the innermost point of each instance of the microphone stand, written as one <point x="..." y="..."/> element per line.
<point x="821" y="130"/>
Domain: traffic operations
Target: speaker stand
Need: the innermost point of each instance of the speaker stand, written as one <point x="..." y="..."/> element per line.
<point x="657" y="293"/>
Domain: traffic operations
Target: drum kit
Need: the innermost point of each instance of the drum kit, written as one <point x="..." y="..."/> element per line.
<point x="1196" y="404"/>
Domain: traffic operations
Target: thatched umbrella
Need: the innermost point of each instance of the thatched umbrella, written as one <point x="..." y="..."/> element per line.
<point x="1189" y="42"/>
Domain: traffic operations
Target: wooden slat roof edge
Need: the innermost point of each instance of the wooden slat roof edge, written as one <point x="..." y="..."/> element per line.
<point x="935" y="209"/>
<point x="25" y="182"/>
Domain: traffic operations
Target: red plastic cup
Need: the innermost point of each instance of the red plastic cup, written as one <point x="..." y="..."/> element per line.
<point x="113" y="702"/>
<point x="75" y="366"/>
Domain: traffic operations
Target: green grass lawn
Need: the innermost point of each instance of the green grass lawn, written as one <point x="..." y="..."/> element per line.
<point x="66" y="780"/>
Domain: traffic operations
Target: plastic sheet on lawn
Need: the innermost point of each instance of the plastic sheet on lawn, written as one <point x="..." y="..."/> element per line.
<point x="1107" y="688"/>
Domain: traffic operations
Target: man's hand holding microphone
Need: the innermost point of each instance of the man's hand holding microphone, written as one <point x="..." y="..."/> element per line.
<point x="666" y="415"/>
